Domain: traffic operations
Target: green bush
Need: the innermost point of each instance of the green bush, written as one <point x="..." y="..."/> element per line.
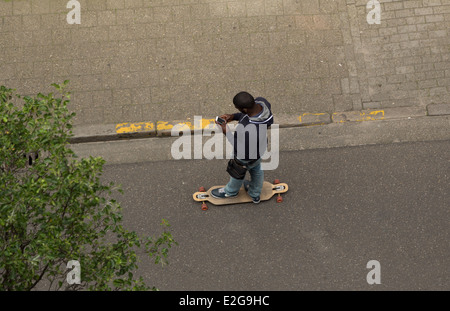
<point x="57" y="209"/>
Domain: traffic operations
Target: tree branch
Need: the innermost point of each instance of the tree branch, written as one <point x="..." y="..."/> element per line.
<point x="40" y="277"/>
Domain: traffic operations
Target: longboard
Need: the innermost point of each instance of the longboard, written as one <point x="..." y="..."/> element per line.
<point x="268" y="191"/>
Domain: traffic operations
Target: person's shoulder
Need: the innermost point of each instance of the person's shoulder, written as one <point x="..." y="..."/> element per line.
<point x="265" y="101"/>
<point x="245" y="119"/>
<point x="262" y="99"/>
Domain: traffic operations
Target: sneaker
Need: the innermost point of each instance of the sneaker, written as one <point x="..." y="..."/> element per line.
<point x="246" y="187"/>
<point x="256" y="200"/>
<point x="219" y="193"/>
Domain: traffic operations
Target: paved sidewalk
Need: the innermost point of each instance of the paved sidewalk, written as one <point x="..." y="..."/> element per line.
<point x="133" y="61"/>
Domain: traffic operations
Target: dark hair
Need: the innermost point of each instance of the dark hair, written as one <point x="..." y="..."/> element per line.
<point x="243" y="100"/>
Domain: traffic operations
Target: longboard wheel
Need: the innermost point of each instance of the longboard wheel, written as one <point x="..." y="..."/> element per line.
<point x="202" y="189"/>
<point x="279" y="199"/>
<point x="276" y="181"/>
<point x="204" y="206"/>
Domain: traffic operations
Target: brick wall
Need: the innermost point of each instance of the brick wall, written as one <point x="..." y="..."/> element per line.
<point x="142" y="60"/>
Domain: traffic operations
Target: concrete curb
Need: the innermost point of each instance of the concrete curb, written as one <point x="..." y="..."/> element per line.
<point x="110" y="132"/>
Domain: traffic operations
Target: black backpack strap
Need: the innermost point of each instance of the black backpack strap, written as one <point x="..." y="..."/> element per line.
<point x="249" y="163"/>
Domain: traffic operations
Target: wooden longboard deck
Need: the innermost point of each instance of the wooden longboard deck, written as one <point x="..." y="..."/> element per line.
<point x="266" y="193"/>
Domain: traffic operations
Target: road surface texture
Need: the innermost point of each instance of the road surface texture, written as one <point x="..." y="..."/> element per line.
<point x="345" y="207"/>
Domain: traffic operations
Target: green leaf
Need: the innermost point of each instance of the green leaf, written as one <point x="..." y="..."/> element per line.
<point x="56" y="86"/>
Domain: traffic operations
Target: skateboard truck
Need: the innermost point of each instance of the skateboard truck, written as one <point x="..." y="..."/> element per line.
<point x="203" y="197"/>
<point x="278" y="188"/>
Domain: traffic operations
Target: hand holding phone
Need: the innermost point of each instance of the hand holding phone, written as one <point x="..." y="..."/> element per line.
<point x="220" y="121"/>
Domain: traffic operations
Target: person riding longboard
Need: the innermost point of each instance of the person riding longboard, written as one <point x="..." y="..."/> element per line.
<point x="254" y="118"/>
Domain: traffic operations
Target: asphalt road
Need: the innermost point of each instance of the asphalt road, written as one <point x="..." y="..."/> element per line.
<point x="345" y="207"/>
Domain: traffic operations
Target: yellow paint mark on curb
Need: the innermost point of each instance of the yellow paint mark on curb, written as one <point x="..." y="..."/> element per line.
<point x="128" y="128"/>
<point x="373" y="115"/>
<point x="310" y="114"/>
<point x="125" y="128"/>
<point x="363" y="116"/>
<point x="207" y="123"/>
<point x="165" y="125"/>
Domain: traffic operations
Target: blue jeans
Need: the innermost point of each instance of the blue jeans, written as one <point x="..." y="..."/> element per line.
<point x="256" y="182"/>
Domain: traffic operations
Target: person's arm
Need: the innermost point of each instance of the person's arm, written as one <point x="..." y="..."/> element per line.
<point x="237" y="116"/>
<point x="223" y="126"/>
<point x="232" y="117"/>
<point x="227" y="117"/>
